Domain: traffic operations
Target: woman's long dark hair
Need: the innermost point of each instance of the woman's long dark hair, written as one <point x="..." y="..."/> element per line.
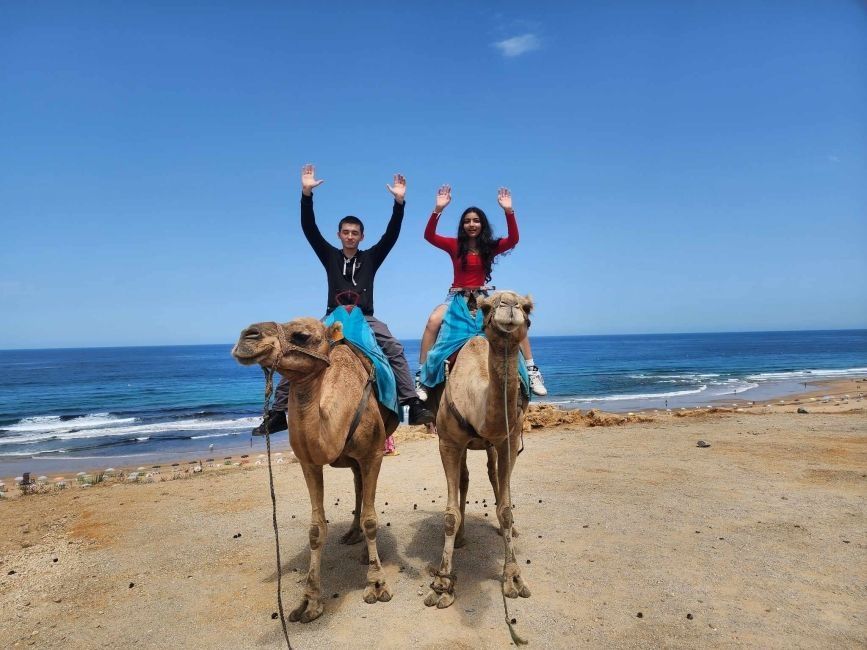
<point x="485" y="242"/>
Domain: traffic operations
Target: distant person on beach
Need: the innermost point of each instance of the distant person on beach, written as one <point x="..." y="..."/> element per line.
<point x="472" y="252"/>
<point x="351" y="271"/>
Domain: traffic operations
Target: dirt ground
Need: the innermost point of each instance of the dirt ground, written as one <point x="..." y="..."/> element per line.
<point x="631" y="536"/>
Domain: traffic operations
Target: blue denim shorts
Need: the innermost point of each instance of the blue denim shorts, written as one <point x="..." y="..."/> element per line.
<point x="453" y="292"/>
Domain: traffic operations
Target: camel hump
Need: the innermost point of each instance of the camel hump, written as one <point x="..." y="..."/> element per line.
<point x="359" y="353"/>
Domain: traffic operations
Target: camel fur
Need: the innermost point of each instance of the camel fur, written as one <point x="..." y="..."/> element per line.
<point x="323" y="398"/>
<point x="484" y="388"/>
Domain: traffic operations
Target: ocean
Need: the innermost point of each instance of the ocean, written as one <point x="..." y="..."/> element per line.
<point x="89" y="407"/>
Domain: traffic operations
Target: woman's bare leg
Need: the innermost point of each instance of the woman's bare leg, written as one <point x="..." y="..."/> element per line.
<point x="431" y="330"/>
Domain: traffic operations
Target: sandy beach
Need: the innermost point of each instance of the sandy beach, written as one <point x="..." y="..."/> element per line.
<point x="631" y="536"/>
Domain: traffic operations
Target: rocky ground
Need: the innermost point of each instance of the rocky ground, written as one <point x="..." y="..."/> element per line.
<point x="631" y="536"/>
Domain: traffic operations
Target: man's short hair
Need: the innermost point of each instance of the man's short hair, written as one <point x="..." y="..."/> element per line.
<point x="355" y="221"/>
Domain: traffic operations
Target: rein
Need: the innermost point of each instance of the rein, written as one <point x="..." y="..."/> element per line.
<point x="285" y="348"/>
<point x="515" y="638"/>
<point x="356" y="420"/>
<point x="269" y="386"/>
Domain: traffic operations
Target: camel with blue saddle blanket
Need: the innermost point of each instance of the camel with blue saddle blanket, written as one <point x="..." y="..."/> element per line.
<point x="480" y="404"/>
<point x="335" y="371"/>
<point x="461" y="322"/>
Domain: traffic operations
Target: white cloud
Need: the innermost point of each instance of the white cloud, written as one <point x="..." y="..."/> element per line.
<point x="518" y="45"/>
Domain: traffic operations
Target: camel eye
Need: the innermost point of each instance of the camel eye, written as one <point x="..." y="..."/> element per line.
<point x="252" y="333"/>
<point x="300" y="338"/>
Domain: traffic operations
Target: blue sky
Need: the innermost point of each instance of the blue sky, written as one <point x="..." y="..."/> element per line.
<point x="675" y="166"/>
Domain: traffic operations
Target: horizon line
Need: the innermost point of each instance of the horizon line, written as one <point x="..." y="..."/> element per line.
<point x="540" y="336"/>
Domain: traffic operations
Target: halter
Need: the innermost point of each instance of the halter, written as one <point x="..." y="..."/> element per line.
<point x="287" y="347"/>
<point x="497" y="303"/>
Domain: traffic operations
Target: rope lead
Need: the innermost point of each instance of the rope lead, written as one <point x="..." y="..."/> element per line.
<point x="517" y="640"/>
<point x="269" y="386"/>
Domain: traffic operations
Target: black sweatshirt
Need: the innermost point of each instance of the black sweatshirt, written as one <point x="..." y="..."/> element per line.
<point x="366" y="262"/>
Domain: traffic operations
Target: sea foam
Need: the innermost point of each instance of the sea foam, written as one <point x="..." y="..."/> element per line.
<point x="71" y="431"/>
<point x="808" y="374"/>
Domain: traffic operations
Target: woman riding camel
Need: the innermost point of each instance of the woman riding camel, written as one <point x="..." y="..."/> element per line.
<point x="473" y="252"/>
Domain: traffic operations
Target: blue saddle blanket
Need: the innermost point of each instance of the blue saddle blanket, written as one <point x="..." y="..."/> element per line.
<point x="458" y="327"/>
<point x="358" y="332"/>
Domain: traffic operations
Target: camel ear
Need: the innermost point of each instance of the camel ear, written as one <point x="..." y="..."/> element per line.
<point x="335" y="332"/>
<point x="527" y="303"/>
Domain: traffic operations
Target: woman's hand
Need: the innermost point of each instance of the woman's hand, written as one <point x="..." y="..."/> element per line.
<point x="398" y="190"/>
<point x="504" y="198"/>
<point x="444" y="197"/>
<point x="308" y="180"/>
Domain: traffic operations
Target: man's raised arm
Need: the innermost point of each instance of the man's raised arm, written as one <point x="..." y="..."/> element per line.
<point x="382" y="248"/>
<point x="308" y="219"/>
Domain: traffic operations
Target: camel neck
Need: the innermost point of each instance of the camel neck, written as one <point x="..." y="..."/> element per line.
<point x="504" y="387"/>
<point x="305" y="422"/>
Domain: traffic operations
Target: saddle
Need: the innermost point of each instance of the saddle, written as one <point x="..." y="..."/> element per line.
<point x="461" y="322"/>
<point x="358" y="333"/>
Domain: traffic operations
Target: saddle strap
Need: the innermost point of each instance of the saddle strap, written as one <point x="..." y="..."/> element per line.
<point x="360" y="410"/>
<point x="466" y="426"/>
<point x="462" y="421"/>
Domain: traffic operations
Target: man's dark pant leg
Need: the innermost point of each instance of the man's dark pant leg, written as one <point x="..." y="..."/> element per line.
<point x="281" y="395"/>
<point x="393" y="349"/>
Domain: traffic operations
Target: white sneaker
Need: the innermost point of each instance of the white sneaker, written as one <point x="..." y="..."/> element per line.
<point x="420" y="390"/>
<point x="536" y="385"/>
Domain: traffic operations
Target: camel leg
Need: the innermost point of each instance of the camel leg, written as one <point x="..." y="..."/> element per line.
<point x="377" y="589"/>
<point x="465" y="488"/>
<point x="513" y="583"/>
<point x="353" y="535"/>
<point x="311" y="605"/>
<point x="442" y="589"/>
<point x="492" y="472"/>
<point x="495" y="483"/>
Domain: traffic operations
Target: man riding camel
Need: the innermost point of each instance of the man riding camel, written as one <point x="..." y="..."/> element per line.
<point x="350" y="274"/>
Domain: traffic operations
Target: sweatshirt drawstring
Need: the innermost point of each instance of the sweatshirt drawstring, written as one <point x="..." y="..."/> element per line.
<point x="345" y="262"/>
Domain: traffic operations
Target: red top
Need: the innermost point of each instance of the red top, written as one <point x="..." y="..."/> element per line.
<point x="474" y="274"/>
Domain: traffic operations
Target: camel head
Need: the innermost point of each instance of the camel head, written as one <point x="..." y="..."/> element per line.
<point x="506" y="316"/>
<point x="294" y="348"/>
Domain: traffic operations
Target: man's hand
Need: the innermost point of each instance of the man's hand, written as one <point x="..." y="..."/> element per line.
<point x="398" y="190"/>
<point x="444" y="197"/>
<point x="308" y="180"/>
<point x="504" y="198"/>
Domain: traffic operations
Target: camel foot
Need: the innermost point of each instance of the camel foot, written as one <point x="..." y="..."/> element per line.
<point x="308" y="610"/>
<point x="352" y="536"/>
<point x="440" y="600"/>
<point x="377" y="592"/>
<point x="442" y="591"/>
<point x="515" y="532"/>
<point x="514" y="585"/>
<point x="445" y="600"/>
